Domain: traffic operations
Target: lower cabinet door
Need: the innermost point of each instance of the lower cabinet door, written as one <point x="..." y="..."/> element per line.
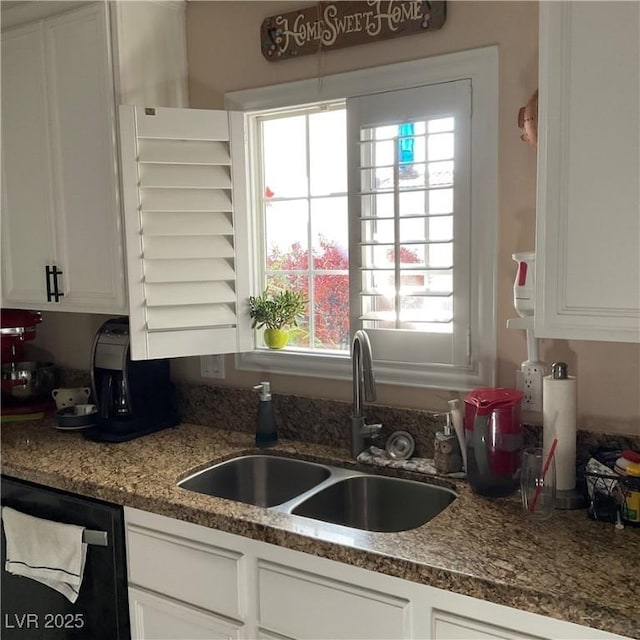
<point x="446" y="626"/>
<point x="206" y="576"/>
<point x="157" y="618"/>
<point x="299" y="604"/>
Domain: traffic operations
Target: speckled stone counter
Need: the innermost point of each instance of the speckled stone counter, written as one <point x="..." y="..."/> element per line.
<point x="568" y="567"/>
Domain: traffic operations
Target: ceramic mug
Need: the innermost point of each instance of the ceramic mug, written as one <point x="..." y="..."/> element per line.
<point x="70" y="397"/>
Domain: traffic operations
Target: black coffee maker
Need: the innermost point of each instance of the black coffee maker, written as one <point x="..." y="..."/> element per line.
<point x="134" y="397"/>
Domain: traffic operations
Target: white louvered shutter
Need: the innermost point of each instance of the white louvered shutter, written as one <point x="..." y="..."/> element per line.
<point x="186" y="231"/>
<point x="410" y="222"/>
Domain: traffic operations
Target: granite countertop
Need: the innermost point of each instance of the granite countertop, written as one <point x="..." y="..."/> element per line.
<point x="568" y="567"/>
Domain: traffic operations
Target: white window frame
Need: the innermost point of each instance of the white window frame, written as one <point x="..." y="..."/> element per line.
<point x="481" y="67"/>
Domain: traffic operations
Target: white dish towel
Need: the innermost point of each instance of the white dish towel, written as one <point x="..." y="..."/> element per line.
<point x="50" y="552"/>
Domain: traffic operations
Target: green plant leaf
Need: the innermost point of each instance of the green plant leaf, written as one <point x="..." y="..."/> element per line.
<point x="277" y="310"/>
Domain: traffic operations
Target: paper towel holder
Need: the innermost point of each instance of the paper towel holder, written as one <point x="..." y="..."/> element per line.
<point x="571" y="498"/>
<point x="559" y="371"/>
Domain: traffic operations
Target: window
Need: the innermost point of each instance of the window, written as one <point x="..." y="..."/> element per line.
<point x="301" y="200"/>
<point x="392" y="160"/>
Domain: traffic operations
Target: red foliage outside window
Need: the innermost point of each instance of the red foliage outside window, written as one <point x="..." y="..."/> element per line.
<point x="331" y="290"/>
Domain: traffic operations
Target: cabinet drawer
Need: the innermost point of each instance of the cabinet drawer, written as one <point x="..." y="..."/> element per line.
<point x="157" y="618"/>
<point x="190" y="571"/>
<point x="446" y="626"/>
<point x="303" y="605"/>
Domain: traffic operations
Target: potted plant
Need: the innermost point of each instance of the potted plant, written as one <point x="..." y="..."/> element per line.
<point x="276" y="311"/>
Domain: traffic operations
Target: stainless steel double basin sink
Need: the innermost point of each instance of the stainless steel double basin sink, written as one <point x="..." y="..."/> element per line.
<point x="323" y="492"/>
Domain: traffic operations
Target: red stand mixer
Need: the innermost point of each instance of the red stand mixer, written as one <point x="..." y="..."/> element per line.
<point x="26" y="385"/>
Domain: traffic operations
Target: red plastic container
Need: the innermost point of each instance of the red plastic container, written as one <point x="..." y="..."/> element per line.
<point x="494" y="440"/>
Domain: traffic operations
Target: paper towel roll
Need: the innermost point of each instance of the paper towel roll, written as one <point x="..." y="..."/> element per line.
<point x="559" y="421"/>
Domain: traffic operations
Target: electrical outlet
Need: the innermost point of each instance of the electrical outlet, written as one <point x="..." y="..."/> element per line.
<point x="212" y="367"/>
<point x="529" y="381"/>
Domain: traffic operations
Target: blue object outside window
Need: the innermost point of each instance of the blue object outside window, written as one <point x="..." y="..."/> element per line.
<point x="405" y="148"/>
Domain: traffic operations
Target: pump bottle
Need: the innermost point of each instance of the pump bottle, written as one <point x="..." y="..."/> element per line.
<point x="266" y="427"/>
<point x="447" y="456"/>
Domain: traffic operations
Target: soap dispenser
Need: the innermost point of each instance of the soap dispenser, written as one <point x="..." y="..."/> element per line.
<point x="266" y="428"/>
<point x="447" y="456"/>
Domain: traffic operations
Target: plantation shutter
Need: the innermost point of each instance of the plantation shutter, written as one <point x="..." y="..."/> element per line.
<point x="409" y="208"/>
<point x="186" y="232"/>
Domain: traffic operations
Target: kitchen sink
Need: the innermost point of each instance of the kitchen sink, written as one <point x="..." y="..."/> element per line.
<point x="261" y="480"/>
<point x="376" y="503"/>
<point x="322" y="492"/>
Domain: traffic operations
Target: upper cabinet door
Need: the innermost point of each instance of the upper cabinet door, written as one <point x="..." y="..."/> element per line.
<point x="84" y="160"/>
<point x="588" y="218"/>
<point x="59" y="163"/>
<point x="28" y="227"/>
<point x="186" y="231"/>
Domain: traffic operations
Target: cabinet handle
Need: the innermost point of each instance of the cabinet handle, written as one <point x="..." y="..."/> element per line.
<point x="53" y="293"/>
<point x="48" y="273"/>
<point x="57" y="294"/>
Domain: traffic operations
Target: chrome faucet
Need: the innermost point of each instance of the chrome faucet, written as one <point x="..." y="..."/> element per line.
<point x="364" y="384"/>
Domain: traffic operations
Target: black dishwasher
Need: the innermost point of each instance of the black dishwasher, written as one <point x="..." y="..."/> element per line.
<point x="33" y="611"/>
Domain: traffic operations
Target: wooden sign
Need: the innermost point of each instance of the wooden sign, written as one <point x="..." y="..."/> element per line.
<point x="334" y="25"/>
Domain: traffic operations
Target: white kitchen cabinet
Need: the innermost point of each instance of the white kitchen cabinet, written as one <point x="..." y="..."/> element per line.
<point x="258" y="590"/>
<point x="186" y="569"/>
<point x="60" y="207"/>
<point x="303" y="604"/>
<point x="588" y="214"/>
<point x="28" y="225"/>
<point x="446" y="626"/>
<point x="156" y="618"/>
<point x="182" y="583"/>
<point x="62" y="77"/>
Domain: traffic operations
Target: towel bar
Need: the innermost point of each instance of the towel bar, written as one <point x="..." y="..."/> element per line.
<point x="97" y="538"/>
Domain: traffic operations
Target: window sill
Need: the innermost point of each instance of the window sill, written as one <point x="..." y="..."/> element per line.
<point x="338" y="367"/>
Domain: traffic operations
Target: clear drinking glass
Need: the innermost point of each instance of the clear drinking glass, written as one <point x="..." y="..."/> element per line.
<point x="538" y="491"/>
